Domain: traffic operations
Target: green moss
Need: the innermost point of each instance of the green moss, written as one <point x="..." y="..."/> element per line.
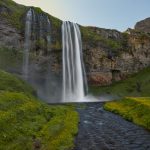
<point x="41" y="43"/>
<point x="56" y="46"/>
<point x="53" y="126"/>
<point x="38" y="10"/>
<point x="10" y="57"/>
<point x="56" y="23"/>
<point x="136" y="110"/>
<point x="90" y="36"/>
<point x="14" y="14"/>
<point x="25" y="120"/>
<point x="9" y="82"/>
<point x="135" y="85"/>
<point x="113" y="44"/>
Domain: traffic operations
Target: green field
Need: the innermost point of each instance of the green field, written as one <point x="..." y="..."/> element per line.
<point x="134" y="109"/>
<point x="26" y="122"/>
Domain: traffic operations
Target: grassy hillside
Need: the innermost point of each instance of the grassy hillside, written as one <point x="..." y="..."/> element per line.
<point x="136" y="110"/>
<point x="136" y="107"/>
<point x="88" y="34"/>
<point x="9" y="82"/>
<point x="26" y="123"/>
<point x="136" y="85"/>
<point x="13" y="12"/>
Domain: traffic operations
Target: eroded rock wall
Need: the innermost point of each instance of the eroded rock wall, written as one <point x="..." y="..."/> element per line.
<point x="109" y="55"/>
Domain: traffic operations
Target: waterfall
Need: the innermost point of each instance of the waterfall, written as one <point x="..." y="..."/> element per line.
<point x="27" y="44"/>
<point x="74" y="78"/>
<point x="48" y="34"/>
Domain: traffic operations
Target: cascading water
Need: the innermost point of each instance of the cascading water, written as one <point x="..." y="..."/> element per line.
<point x="27" y="44"/>
<point x="48" y="34"/>
<point x="74" y="78"/>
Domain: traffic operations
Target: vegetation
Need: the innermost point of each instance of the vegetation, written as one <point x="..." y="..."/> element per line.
<point x="90" y="36"/>
<point x="27" y="123"/>
<point x="9" y="82"/>
<point x="134" y="109"/>
<point x="38" y="10"/>
<point x="14" y="12"/>
<point x="55" y="21"/>
<point x="56" y="46"/>
<point x="10" y="57"/>
<point x="135" y="85"/>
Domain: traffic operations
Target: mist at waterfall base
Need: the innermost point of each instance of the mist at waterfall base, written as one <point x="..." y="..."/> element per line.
<point x="71" y="85"/>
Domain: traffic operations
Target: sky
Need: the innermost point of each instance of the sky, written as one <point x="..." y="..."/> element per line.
<point x="111" y="14"/>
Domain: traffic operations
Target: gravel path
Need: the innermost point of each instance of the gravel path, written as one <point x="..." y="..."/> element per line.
<point x="102" y="130"/>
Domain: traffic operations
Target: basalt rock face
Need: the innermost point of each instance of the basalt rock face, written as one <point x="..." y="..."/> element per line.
<point x="109" y="55"/>
<point x="9" y="36"/>
<point x="114" y="55"/>
<point x="143" y="26"/>
<point x="45" y="48"/>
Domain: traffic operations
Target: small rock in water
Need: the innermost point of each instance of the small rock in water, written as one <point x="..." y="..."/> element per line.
<point x="86" y="122"/>
<point x="100" y="123"/>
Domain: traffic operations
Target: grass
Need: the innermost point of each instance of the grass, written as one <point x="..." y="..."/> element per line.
<point x="10" y="58"/>
<point x="90" y="36"/>
<point x="15" y="13"/>
<point x="25" y="120"/>
<point x="136" y="85"/>
<point x="9" y="82"/>
<point x="133" y="109"/>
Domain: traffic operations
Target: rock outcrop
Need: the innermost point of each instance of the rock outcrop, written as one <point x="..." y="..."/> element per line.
<point x="109" y="55"/>
<point x="115" y="55"/>
<point x="143" y="26"/>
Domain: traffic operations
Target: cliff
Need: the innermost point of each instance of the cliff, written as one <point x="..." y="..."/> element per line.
<point x="143" y="26"/>
<point x="109" y="55"/>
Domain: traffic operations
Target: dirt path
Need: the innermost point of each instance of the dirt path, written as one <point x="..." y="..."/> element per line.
<point x="102" y="130"/>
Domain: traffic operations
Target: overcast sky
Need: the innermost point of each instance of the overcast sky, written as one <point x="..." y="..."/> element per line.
<point x="114" y="14"/>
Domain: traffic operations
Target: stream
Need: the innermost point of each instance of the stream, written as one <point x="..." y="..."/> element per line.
<point x="103" y="130"/>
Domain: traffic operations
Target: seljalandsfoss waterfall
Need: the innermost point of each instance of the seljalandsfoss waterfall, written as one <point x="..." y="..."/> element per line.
<point x="74" y="84"/>
<point x="27" y="43"/>
<point x="37" y="43"/>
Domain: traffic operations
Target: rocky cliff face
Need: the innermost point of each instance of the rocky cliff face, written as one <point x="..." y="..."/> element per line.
<point x="115" y="55"/>
<point x="143" y="26"/>
<point x="109" y="55"/>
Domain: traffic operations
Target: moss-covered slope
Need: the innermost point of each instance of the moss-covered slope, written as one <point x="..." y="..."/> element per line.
<point x="9" y="82"/>
<point x="134" y="109"/>
<point x="13" y="12"/>
<point x="26" y="123"/>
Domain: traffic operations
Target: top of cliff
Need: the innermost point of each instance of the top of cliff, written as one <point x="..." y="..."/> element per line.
<point x="143" y="26"/>
<point x="15" y="13"/>
<point x="112" y="40"/>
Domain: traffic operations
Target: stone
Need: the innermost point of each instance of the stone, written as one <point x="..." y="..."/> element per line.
<point x="143" y="26"/>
